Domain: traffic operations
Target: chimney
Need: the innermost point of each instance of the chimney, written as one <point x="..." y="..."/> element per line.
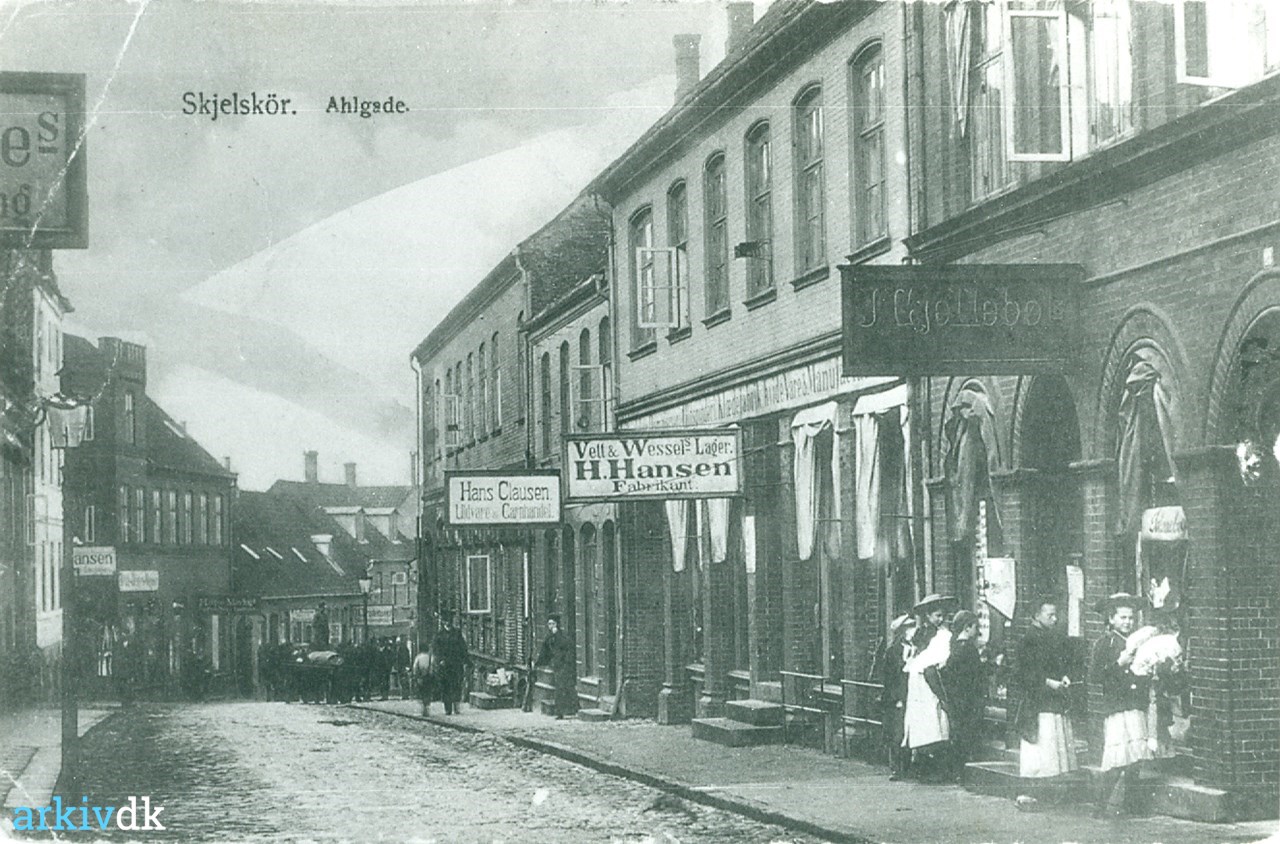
<point x="226" y="462"/>
<point x="688" y="66"/>
<point x="311" y="466"/>
<point x="351" y="474"/>
<point x="741" y="17"/>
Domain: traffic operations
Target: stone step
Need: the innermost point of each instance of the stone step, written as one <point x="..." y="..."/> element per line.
<point x="592" y="715"/>
<point x="484" y="700"/>
<point x="733" y="733"/>
<point x="758" y="713"/>
<point x="769" y="691"/>
<point x="1175" y="795"/>
<point x="1000" y="779"/>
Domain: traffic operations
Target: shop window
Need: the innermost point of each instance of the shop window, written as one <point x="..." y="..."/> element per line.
<point x="717" y="236"/>
<point x="758" y="250"/>
<point x="868" y="146"/>
<point x="810" y="222"/>
<point x="479" y="583"/>
<point x="1226" y="43"/>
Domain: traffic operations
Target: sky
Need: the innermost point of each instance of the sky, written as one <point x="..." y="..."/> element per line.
<point x="280" y="269"/>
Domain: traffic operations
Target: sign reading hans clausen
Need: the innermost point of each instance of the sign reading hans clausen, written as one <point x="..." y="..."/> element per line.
<point x="42" y="171"/>
<point x="633" y="465"/>
<point x="961" y="319"/>
<point x="497" y="498"/>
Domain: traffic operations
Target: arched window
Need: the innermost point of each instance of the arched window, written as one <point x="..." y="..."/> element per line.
<point x="563" y="385"/>
<point x="717" y="236"/>
<point x="640" y="236"/>
<point x="759" y="184"/>
<point x="867" y="81"/>
<point x="470" y="407"/>
<point x="678" y="239"/>
<point x="544" y="405"/>
<point x="587" y="383"/>
<point x="604" y="338"/>
<point x="482" y="391"/>
<point x="495" y="383"/>
<point x="811" y="238"/>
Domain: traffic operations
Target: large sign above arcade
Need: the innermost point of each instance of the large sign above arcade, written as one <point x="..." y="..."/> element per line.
<point x="666" y="464"/>
<point x="43" y="202"/>
<point x="961" y="319"/>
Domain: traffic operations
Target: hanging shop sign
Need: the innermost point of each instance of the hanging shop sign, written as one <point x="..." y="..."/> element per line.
<point x="479" y="498"/>
<point x="94" y="560"/>
<point x="961" y="319"/>
<point x="634" y="465"/>
<point x="226" y="603"/>
<point x="43" y="197"/>
<point x="379" y="616"/>
<point x="139" y="581"/>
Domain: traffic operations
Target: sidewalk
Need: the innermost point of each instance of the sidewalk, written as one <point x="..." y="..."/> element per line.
<point x="31" y="754"/>
<point x="811" y="792"/>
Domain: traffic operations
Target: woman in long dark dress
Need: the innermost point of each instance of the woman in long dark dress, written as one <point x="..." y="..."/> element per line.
<point x="965" y="680"/>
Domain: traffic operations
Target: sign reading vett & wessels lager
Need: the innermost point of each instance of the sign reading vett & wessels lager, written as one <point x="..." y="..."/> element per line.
<point x="634" y="465"/>
<point x="961" y="319"/>
<point x="42" y="161"/>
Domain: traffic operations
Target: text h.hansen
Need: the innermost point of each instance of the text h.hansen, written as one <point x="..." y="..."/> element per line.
<point x="594" y="461"/>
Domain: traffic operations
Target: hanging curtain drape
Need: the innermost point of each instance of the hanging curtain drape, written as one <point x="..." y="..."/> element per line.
<point x="972" y="454"/>
<point x="866" y="483"/>
<point x="716" y="512"/>
<point x="879" y="474"/>
<point x="678" y="525"/>
<point x="1145" y="449"/>
<point x="805" y="429"/>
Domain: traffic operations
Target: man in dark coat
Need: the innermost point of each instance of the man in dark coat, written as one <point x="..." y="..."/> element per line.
<point x="452" y="662"/>
<point x="964" y="679"/>
<point x="320" y="629"/>
<point x="894" y="700"/>
<point x="1042" y="679"/>
<point x="559" y="653"/>
<point x="1124" y="706"/>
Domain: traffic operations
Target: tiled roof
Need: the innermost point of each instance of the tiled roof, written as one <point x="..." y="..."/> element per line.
<point x="341" y="495"/>
<point x="264" y="520"/>
<point x="169" y="446"/>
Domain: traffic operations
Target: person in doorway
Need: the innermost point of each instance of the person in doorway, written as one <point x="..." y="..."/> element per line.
<point x="894" y="698"/>
<point x="964" y="679"/>
<point x="1042" y="678"/>
<point x="320" y="629"/>
<point x="559" y="653"/>
<point x="452" y="662"/>
<point x="926" y="726"/>
<point x="1123" y="705"/>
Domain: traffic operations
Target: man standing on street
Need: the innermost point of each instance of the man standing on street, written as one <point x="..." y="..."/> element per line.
<point x="1124" y="706"/>
<point x="320" y="629"/>
<point x="452" y="661"/>
<point x="1043" y="716"/>
<point x="559" y="653"/>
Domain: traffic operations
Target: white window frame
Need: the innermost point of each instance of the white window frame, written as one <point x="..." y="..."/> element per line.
<point x="589" y="406"/>
<point x="1010" y="80"/>
<point x="90" y="524"/>
<point x="673" y="289"/>
<point x="450" y="406"/>
<point x="1270" y="44"/>
<point x="488" y="586"/>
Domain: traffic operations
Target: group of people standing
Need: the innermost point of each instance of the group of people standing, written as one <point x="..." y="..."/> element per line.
<point x="935" y="690"/>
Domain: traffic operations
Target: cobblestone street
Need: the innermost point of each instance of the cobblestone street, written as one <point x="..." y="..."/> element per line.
<point x="254" y="771"/>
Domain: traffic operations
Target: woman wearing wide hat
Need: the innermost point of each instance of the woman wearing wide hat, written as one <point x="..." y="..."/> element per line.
<point x="1124" y="704"/>
<point x="926" y="727"/>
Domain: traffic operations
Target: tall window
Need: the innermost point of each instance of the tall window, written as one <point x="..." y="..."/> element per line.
<point x="988" y="172"/>
<point x="1226" y="43"/>
<point x="171" y="517"/>
<point x="202" y="520"/>
<point x="640" y="236"/>
<point x="759" y="209"/>
<point x="139" y="533"/>
<point x="678" y="239"/>
<point x="470" y="422"/>
<point x="130" y="420"/>
<point x="122" y="515"/>
<point x="495" y="386"/>
<point x="868" y="143"/>
<point x="482" y="392"/>
<point x="565" y="409"/>
<point x="90" y="531"/>
<point x="586" y="383"/>
<point x="186" y="518"/>
<point x="811" y="238"/>
<point x="717" y="235"/>
<point x="155" y="516"/>
<point x="217" y="520"/>
<point x="1110" y="71"/>
<point x="604" y="337"/>
<point x="544" y="404"/>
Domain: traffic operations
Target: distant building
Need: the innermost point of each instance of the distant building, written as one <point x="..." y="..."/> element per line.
<point x="140" y="485"/>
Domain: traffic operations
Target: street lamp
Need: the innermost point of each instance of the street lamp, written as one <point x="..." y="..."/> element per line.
<point x="366" y="583"/>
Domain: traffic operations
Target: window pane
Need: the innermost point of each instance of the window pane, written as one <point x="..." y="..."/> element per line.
<point x="1039" y="79"/>
<point x="1112" y="67"/>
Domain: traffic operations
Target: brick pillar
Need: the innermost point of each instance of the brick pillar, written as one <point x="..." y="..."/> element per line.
<point x="1101" y="575"/>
